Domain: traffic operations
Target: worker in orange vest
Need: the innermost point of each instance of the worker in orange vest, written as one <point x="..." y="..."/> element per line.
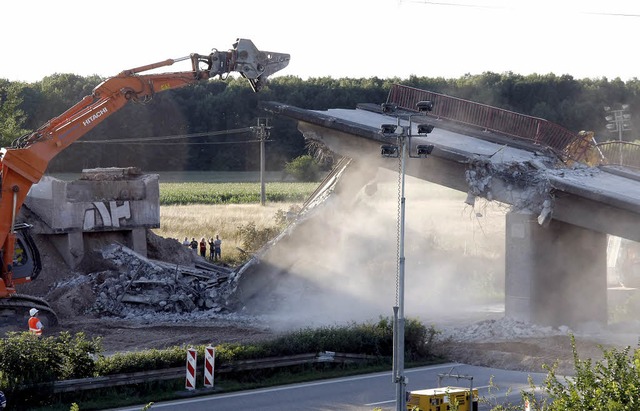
<point x="35" y="326"/>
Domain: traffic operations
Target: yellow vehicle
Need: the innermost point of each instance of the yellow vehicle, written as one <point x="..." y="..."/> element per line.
<point x="442" y="399"/>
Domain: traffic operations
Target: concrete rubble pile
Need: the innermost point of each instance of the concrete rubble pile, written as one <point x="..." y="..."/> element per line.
<point x="158" y="286"/>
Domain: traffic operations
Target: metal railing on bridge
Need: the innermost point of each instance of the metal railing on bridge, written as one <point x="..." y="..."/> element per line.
<point x="567" y="145"/>
<point x="620" y="153"/>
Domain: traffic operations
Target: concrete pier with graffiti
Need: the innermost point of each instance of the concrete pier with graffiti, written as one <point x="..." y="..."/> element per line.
<point x="115" y="204"/>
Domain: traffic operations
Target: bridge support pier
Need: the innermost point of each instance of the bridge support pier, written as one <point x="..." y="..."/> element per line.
<point x="555" y="275"/>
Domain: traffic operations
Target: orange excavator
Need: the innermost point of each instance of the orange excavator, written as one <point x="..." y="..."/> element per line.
<point x="25" y="162"/>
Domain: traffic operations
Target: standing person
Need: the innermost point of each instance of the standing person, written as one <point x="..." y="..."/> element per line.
<point x="35" y="326"/>
<point x="186" y="242"/>
<point x="212" y="248"/>
<point x="3" y="401"/>
<point x="203" y="247"/>
<point x="194" y="245"/>
<point x="217" y="247"/>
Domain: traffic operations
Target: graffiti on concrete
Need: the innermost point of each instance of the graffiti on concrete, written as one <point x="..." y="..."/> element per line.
<point x="106" y="214"/>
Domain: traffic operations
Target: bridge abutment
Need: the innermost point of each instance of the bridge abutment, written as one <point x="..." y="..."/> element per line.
<point x="555" y="275"/>
<point x="104" y="205"/>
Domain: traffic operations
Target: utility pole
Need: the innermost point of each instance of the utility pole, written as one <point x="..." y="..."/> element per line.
<point x="262" y="132"/>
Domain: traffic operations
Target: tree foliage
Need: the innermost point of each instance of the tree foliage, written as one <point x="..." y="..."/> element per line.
<point x="607" y="384"/>
<point x="12" y="117"/>
<point x="303" y="168"/>
<point x="221" y="106"/>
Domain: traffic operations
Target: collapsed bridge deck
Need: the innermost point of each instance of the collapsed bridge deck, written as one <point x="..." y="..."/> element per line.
<point x="561" y="212"/>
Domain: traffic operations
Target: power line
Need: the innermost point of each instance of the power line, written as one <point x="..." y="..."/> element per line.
<point x="480" y="6"/>
<point x="141" y="140"/>
<point x="441" y="3"/>
<point x="191" y="143"/>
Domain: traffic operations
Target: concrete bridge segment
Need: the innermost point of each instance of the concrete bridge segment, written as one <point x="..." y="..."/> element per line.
<point x="560" y="216"/>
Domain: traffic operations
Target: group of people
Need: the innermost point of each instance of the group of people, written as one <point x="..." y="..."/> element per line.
<point x="215" y="247"/>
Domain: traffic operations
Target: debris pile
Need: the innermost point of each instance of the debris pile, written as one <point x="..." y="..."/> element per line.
<point x="157" y="286"/>
<point x="503" y="329"/>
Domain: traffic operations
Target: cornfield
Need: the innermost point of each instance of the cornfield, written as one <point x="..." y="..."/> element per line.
<point x="232" y="193"/>
<point x="197" y="209"/>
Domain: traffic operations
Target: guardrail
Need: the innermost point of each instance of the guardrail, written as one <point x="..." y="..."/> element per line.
<point x="83" y="384"/>
<point x="533" y="129"/>
<point x="620" y="153"/>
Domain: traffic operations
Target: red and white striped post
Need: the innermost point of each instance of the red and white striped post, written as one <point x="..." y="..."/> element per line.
<point x="192" y="357"/>
<point x="209" y="363"/>
<point x="526" y="405"/>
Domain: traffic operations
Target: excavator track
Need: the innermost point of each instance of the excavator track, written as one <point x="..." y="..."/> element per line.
<point x="14" y="311"/>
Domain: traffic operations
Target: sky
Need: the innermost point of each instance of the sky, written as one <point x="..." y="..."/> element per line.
<point x="327" y="38"/>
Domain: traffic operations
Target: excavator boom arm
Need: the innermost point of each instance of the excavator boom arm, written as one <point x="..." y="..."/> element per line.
<point x="23" y="164"/>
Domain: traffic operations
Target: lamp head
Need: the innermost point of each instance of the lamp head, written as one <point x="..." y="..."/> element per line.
<point x="389" y="150"/>
<point x="424" y="106"/>
<point x="388" y="107"/>
<point x="388" y="128"/>
<point x="424" y="149"/>
<point x="425" y="128"/>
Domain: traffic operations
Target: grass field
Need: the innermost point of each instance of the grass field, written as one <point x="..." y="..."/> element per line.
<point x="195" y="208"/>
<point x="232" y="193"/>
<point x="207" y="220"/>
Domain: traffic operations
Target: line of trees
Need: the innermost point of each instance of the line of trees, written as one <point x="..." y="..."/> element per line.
<point x="228" y="105"/>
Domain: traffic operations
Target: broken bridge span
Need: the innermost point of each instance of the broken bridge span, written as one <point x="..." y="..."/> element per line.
<point x="562" y="210"/>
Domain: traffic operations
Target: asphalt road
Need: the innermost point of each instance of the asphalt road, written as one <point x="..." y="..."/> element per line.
<point x="362" y="392"/>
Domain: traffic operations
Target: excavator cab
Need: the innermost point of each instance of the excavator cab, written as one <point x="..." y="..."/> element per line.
<point x="26" y="258"/>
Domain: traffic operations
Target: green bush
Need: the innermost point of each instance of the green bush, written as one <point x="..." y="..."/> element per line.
<point x="374" y="338"/>
<point x="27" y="359"/>
<point x="79" y="355"/>
<point x="303" y="168"/>
<point x="253" y="238"/>
<point x="609" y="384"/>
<point x="143" y="360"/>
<point x="229" y="352"/>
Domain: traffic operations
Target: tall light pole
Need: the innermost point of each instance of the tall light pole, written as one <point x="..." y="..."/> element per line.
<point x="400" y="149"/>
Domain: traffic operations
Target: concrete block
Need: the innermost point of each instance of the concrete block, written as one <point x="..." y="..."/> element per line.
<point x="97" y="205"/>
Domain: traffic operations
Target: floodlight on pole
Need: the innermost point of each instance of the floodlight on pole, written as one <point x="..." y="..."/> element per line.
<point x="399" y="150"/>
<point x="389" y="150"/>
<point x="618" y="121"/>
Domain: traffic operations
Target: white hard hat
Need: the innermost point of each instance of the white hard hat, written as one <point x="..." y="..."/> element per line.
<point x="33" y="312"/>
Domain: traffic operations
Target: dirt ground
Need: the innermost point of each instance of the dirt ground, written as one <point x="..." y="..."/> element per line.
<point x="501" y="344"/>
<point x="71" y="298"/>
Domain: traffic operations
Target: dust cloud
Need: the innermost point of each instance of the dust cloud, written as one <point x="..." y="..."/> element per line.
<point x="339" y="264"/>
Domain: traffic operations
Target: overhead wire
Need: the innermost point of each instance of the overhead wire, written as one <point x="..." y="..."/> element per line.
<point x="484" y="6"/>
<point x="158" y="139"/>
